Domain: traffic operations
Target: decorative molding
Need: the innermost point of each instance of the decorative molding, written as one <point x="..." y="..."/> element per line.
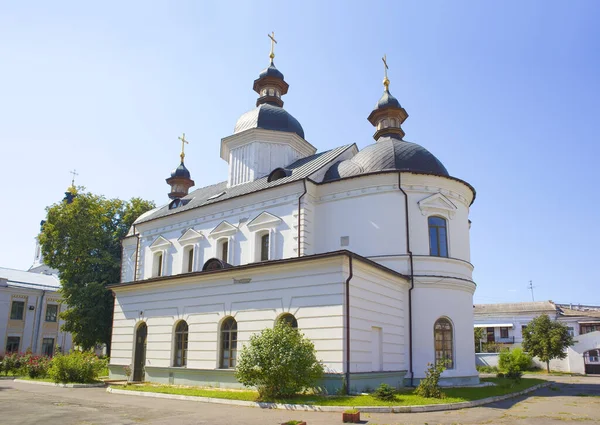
<point x="437" y="203"/>
<point x="264" y="220"/>
<point x="223" y="229"/>
<point x="159" y="243"/>
<point x="190" y="236"/>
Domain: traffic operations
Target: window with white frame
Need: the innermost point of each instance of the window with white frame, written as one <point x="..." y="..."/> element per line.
<point x="223" y="250"/>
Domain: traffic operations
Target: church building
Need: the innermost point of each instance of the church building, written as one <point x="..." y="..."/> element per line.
<point x="365" y="252"/>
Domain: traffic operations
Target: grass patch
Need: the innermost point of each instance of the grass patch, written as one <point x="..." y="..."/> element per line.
<point x="555" y="373"/>
<point x="27" y="378"/>
<point x="404" y="397"/>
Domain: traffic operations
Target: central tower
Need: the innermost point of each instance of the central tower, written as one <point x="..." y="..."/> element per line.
<point x="266" y="137"/>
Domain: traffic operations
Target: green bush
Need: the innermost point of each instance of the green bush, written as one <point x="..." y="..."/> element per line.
<point x="279" y="362"/>
<point x="429" y="386"/>
<point x="77" y="366"/>
<point x="385" y="392"/>
<point x="514" y="362"/>
<point x="487" y="369"/>
<point x="11" y="363"/>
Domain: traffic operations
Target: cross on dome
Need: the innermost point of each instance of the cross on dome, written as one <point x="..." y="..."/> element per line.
<point x="273" y="42"/>
<point x="386" y="81"/>
<point x="183" y="143"/>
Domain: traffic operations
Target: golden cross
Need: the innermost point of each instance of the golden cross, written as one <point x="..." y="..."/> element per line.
<point x="183" y="142"/>
<point x="386" y="82"/>
<point x="75" y="173"/>
<point x="273" y="42"/>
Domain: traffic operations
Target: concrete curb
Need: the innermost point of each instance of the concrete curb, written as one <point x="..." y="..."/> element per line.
<point x="313" y="408"/>
<point x="52" y="384"/>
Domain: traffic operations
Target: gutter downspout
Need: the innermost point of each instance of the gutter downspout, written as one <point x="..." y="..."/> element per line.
<point x="350" y="274"/>
<point x="299" y="209"/>
<point x="412" y="282"/>
<point x="37" y="325"/>
<point x="137" y="253"/>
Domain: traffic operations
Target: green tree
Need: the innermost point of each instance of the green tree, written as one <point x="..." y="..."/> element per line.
<point x="546" y="339"/>
<point x="82" y="240"/>
<point x="279" y="362"/>
<point x="478" y="335"/>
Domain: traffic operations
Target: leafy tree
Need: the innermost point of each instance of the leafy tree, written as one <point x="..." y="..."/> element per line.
<point x="429" y="386"/>
<point x="478" y="334"/>
<point x="546" y="339"/>
<point x="82" y="240"/>
<point x="279" y="362"/>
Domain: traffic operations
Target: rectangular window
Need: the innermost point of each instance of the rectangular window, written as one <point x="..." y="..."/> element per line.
<point x="16" y="310"/>
<point x="225" y="251"/>
<point x="51" y="312"/>
<point x="503" y="332"/>
<point x="264" y="248"/>
<point x="12" y="344"/>
<point x="490" y="335"/>
<point x="584" y="329"/>
<point x="48" y="347"/>
<point x="571" y="330"/>
<point x="190" y="267"/>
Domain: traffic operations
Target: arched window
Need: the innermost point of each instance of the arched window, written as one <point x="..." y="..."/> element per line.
<point x="289" y="319"/>
<point x="264" y="247"/>
<point x="443" y="342"/>
<point x="181" y="344"/>
<point x="228" y="343"/>
<point x="438" y="241"/>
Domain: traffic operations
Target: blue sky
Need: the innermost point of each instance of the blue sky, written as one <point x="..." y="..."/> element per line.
<point x="505" y="94"/>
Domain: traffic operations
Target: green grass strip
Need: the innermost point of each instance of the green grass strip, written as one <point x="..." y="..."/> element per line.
<point x="405" y="397"/>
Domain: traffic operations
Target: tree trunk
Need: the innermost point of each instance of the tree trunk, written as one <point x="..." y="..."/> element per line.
<point x="548" y="366"/>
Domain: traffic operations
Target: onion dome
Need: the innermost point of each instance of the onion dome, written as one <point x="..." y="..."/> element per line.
<point x="180" y="180"/>
<point x="269" y="113"/>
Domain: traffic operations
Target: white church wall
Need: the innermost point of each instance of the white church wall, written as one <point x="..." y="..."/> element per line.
<point x="453" y="300"/>
<point x="313" y="294"/>
<point x="367" y="210"/>
<point x="378" y="305"/>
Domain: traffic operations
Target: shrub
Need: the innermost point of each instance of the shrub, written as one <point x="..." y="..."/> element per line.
<point x="11" y="363"/>
<point x="487" y="369"/>
<point x="77" y="366"/>
<point x="429" y="386"/>
<point x="34" y="366"/>
<point x="279" y="362"/>
<point x="384" y="392"/>
<point x="514" y="363"/>
<point x="1" y="363"/>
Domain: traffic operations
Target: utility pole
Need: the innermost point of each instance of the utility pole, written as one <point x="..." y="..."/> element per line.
<point x="530" y="287"/>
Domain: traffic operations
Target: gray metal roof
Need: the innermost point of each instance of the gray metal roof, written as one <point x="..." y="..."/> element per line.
<point x="528" y="307"/>
<point x="21" y="278"/>
<point x="387" y="100"/>
<point x="271" y="71"/>
<point x="389" y="153"/>
<point x="269" y="117"/>
<point x="208" y="195"/>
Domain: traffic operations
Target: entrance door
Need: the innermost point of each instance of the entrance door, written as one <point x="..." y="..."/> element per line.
<point x="140" y="352"/>
<point x="490" y="335"/>
<point x="592" y="362"/>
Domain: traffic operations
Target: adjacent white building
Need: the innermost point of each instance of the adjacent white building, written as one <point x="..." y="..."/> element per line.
<point x="504" y="323"/>
<point x="367" y="252"/>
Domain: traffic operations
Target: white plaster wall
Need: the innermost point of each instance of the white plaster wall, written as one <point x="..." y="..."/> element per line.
<point x="451" y="299"/>
<point x="377" y="300"/>
<point x="314" y="294"/>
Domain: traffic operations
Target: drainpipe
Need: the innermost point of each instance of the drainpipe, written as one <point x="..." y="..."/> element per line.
<point x="412" y="282"/>
<point x="299" y="221"/>
<point x="37" y="325"/>
<point x="137" y="253"/>
<point x="350" y="274"/>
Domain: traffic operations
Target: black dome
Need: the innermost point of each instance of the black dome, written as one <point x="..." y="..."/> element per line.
<point x="180" y="171"/>
<point x="269" y="117"/>
<point x="387" y="100"/>
<point x="389" y="153"/>
<point x="271" y="71"/>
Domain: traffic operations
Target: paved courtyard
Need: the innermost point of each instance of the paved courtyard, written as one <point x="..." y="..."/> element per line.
<point x="34" y="404"/>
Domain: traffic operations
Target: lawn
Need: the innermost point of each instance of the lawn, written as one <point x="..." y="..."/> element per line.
<point x="404" y="397"/>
